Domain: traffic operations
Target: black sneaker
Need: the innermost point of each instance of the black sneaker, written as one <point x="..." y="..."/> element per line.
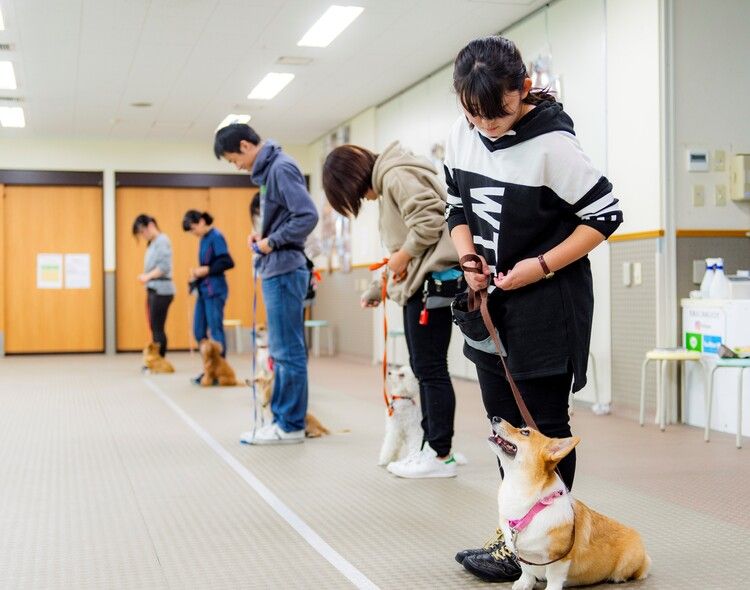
<point x="498" y="566"/>
<point x="491" y="544"/>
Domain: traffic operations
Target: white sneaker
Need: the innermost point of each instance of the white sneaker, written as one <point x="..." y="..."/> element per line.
<point x="424" y="464"/>
<point x="272" y="434"/>
<point x="410" y="458"/>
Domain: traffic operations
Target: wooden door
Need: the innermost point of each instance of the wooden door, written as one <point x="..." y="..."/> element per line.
<point x="167" y="206"/>
<point x="52" y="220"/>
<point x="230" y="209"/>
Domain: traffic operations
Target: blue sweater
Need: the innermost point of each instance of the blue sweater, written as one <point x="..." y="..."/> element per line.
<point x="214" y="254"/>
<point x="288" y="214"/>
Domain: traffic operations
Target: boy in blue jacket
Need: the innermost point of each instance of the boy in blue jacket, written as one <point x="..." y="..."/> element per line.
<point x="288" y="216"/>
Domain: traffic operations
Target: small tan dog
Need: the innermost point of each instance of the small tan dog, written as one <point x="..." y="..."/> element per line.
<point x="216" y="369"/>
<point x="264" y="382"/>
<point x="542" y="523"/>
<point x="153" y="362"/>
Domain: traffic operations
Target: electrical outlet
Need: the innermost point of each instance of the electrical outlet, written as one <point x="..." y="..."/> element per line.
<point x="720" y="160"/>
<point x="720" y="194"/>
<point x="626" y="277"/>
<point x="699" y="195"/>
<point x="637" y="273"/>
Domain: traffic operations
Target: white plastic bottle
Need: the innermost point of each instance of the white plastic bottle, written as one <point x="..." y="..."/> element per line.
<point x="720" y="283"/>
<point x="708" y="277"/>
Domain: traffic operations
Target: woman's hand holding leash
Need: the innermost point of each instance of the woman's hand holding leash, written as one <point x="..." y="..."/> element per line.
<point x="397" y="265"/>
<point x="478" y="281"/>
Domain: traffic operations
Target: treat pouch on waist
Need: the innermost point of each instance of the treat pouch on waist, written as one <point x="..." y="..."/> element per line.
<point x="472" y="326"/>
<point x="441" y="287"/>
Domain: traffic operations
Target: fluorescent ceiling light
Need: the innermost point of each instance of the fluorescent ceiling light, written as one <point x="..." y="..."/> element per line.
<point x="7" y="76"/>
<point x="12" y="117"/>
<point x="270" y="86"/>
<point x="233" y="118"/>
<point x="330" y="26"/>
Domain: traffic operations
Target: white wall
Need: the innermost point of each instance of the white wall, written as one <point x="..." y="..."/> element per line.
<point x="633" y="115"/>
<point x="119" y="156"/>
<point x="711" y="86"/>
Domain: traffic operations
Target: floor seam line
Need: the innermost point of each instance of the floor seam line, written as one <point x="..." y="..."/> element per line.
<point x="348" y="570"/>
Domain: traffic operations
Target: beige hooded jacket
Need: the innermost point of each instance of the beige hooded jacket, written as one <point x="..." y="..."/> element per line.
<point x="412" y="217"/>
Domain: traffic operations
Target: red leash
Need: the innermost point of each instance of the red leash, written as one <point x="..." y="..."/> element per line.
<point x="383" y="297"/>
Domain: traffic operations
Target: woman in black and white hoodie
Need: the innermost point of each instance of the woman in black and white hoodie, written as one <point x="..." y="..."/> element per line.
<point x="525" y="198"/>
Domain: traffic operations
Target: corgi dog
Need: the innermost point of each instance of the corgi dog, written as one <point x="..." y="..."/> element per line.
<point x="216" y="370"/>
<point x="555" y="537"/>
<point x="153" y="362"/>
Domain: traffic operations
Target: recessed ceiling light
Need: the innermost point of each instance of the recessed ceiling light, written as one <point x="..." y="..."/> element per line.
<point x="141" y="104"/>
<point x="12" y="117"/>
<point x="330" y="25"/>
<point x="270" y="86"/>
<point x="290" y="60"/>
<point x="233" y="118"/>
<point x="7" y="76"/>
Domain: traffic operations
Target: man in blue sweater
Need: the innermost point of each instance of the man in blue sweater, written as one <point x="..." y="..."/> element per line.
<point x="288" y="215"/>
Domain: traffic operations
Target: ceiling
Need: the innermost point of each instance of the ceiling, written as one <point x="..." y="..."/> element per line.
<point x="80" y="64"/>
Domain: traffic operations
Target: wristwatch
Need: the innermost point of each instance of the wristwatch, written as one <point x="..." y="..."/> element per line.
<point x="548" y="274"/>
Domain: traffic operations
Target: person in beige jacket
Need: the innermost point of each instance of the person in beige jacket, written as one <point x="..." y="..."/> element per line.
<point x="423" y="275"/>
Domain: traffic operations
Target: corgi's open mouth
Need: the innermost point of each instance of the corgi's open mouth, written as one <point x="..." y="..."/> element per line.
<point x="507" y="447"/>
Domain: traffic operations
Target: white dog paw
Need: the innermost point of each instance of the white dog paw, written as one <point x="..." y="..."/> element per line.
<point x="524" y="583"/>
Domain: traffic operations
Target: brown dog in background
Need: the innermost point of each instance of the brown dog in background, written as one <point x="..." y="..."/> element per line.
<point x="153" y="362"/>
<point x="216" y="369"/>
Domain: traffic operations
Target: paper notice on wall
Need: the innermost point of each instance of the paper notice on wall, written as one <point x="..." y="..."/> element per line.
<point x="77" y="271"/>
<point x="49" y="271"/>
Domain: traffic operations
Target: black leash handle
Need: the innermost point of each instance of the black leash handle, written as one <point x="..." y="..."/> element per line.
<point x="471" y="263"/>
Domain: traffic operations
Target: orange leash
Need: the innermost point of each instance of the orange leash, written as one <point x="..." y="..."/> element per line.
<point x="383" y="296"/>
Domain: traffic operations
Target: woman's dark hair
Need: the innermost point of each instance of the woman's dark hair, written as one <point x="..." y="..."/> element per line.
<point x="193" y="216"/>
<point x="347" y="176"/>
<point x="141" y="222"/>
<point x="255" y="210"/>
<point x="255" y="205"/>
<point x="228" y="138"/>
<point x="485" y="70"/>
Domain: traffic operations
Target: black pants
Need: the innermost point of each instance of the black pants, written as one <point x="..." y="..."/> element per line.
<point x="428" y="356"/>
<point x="547" y="400"/>
<point x="157" y="316"/>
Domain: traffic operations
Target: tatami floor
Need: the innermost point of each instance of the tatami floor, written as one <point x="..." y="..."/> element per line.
<point x="110" y="479"/>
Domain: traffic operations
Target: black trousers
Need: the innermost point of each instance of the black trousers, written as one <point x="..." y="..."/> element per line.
<point x="157" y="316"/>
<point x="428" y="357"/>
<point x="547" y="400"/>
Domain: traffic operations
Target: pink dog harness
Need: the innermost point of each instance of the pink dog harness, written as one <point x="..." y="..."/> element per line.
<point x="518" y="525"/>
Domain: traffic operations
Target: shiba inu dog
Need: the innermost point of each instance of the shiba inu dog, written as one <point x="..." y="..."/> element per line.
<point x="264" y="382"/>
<point x="554" y="536"/>
<point x="153" y="362"/>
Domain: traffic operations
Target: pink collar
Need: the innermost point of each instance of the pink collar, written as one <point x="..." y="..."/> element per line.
<point x="518" y="525"/>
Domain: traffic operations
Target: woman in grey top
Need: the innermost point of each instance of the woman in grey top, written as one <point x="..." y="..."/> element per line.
<point x="157" y="276"/>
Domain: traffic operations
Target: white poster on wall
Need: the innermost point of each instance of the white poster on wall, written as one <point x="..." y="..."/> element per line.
<point x="49" y="271"/>
<point x="77" y="271"/>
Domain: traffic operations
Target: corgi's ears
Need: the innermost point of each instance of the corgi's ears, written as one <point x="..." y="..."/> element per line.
<point x="559" y="448"/>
